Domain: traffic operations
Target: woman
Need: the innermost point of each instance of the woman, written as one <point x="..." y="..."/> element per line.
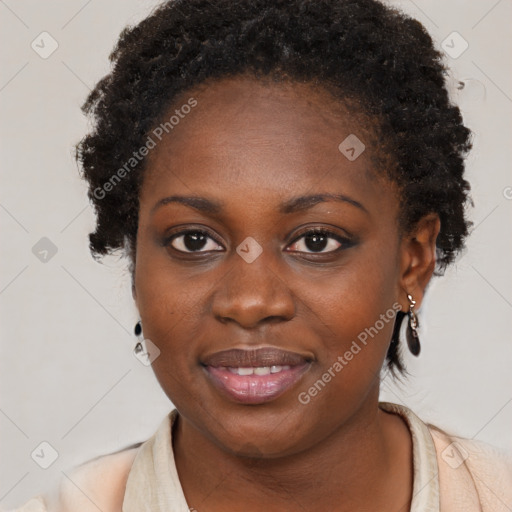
<point x="285" y="178"/>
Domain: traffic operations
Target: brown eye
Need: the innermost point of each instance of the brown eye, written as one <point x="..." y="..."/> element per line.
<point x="193" y="241"/>
<point x="318" y="240"/>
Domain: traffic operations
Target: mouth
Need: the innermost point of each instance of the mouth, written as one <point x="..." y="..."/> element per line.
<point x="255" y="376"/>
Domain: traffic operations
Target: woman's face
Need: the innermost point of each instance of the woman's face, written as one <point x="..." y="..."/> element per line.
<point x="264" y="168"/>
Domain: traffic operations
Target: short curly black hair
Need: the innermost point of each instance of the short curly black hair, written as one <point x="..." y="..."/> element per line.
<point x="374" y="55"/>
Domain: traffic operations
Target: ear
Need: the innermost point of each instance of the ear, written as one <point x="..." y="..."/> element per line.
<point x="418" y="259"/>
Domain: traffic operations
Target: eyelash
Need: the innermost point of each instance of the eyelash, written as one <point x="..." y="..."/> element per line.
<point x="344" y="242"/>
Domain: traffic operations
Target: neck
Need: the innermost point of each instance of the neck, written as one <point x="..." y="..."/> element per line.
<point x="363" y="465"/>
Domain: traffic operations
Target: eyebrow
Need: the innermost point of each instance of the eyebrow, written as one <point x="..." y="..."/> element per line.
<point x="200" y="204"/>
<point x="293" y="205"/>
<point x="301" y="203"/>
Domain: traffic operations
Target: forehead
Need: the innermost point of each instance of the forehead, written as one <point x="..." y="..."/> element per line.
<point x="268" y="135"/>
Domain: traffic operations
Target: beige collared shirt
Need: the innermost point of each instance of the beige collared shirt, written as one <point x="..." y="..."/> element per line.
<point x="451" y="474"/>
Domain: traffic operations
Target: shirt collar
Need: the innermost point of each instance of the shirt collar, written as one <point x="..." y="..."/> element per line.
<point x="153" y="483"/>
<point x="425" y="492"/>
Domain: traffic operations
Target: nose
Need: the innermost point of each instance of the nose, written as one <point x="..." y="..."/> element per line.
<point x="252" y="294"/>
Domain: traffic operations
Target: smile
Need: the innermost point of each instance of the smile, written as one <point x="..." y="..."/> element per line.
<point x="254" y="376"/>
<point x="259" y="370"/>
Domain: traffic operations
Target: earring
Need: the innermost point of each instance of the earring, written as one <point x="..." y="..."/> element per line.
<point x="395" y="337"/>
<point x="138" y="331"/>
<point x="413" y="340"/>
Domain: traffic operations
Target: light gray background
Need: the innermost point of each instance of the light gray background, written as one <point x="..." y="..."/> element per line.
<point x="68" y="375"/>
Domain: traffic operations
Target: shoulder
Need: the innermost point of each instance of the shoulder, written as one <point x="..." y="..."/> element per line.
<point x="34" y="505"/>
<point x="98" y="484"/>
<point x="467" y="464"/>
<point x="469" y="475"/>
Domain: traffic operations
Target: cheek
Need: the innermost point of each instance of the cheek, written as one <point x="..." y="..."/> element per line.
<point x="170" y="320"/>
<point x="170" y="309"/>
<point x="173" y="307"/>
<point x="164" y="293"/>
<point x="354" y="298"/>
<point x="356" y="310"/>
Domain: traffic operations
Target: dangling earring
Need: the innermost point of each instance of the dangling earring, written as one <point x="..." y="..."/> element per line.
<point x="145" y="350"/>
<point x="395" y="337"/>
<point x="413" y="340"/>
<point x="138" y="331"/>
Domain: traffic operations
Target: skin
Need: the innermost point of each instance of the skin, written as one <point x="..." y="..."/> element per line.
<point x="253" y="146"/>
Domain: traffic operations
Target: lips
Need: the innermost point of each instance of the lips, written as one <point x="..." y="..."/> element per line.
<point x="266" y="356"/>
<point x="255" y="376"/>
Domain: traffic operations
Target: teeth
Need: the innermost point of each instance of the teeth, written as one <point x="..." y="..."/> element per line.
<point x="260" y="370"/>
